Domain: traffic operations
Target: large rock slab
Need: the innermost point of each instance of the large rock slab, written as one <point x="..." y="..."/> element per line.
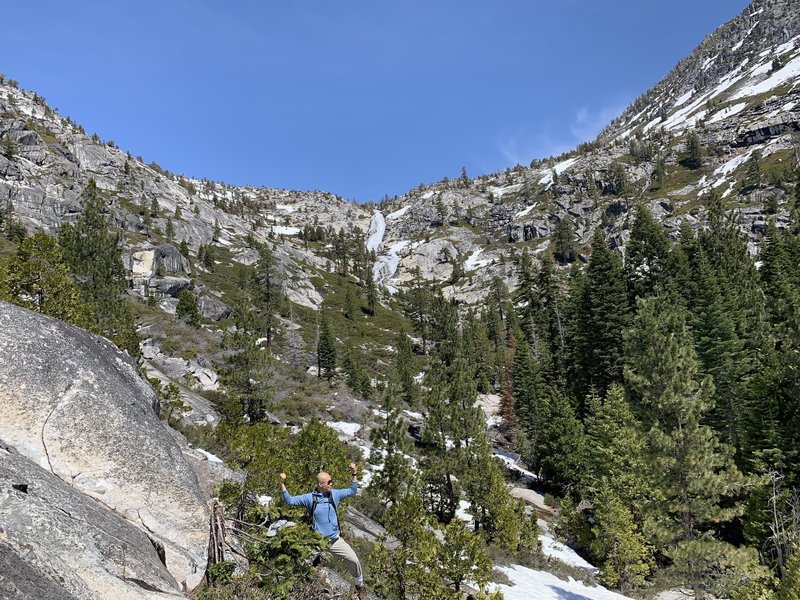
<point x="74" y="404"/>
<point x="57" y="543"/>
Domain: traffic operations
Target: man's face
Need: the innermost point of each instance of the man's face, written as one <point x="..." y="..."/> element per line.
<point x="324" y="483"/>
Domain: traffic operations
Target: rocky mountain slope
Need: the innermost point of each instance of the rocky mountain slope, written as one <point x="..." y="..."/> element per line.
<point x="75" y="410"/>
<point x="65" y="394"/>
<point x="737" y="91"/>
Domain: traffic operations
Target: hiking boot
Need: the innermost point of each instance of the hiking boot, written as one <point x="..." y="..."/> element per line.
<point x="361" y="592"/>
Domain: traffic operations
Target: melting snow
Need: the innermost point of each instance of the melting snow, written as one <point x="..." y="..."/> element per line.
<point x="286" y="207"/>
<point x="525" y="211"/>
<point x="284" y="230"/>
<point x="399" y="213"/>
<point x="789" y="72"/>
<point x="685" y="98"/>
<point x="728" y="112"/>
<point x="511" y="463"/>
<point x="343" y="427"/>
<point x="499" y="192"/>
<point x="708" y="62"/>
<point x="738" y="45"/>
<point x="559" y="169"/>
<point x="528" y="584"/>
<point x="730" y="166"/>
<point x="414" y="415"/>
<point x="473" y="263"/>
<point x="427" y="195"/>
<point x="461" y="511"/>
<point x="565" y="554"/>
<point x="209" y="457"/>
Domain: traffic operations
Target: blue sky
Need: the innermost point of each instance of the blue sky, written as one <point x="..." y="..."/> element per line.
<point x="360" y="98"/>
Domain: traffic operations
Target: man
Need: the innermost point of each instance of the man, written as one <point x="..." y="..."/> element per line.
<point x="323" y="502"/>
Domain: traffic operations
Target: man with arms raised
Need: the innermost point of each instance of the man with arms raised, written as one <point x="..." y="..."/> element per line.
<point x="322" y="503"/>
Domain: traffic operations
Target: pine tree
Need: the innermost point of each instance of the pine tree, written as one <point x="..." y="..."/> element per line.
<point x="440" y="489"/>
<point x="699" y="480"/>
<point x="419" y="303"/>
<point x="269" y="297"/>
<point x="561" y="447"/>
<point x="349" y="309"/>
<point x="94" y="257"/>
<point x="647" y="256"/>
<point x="390" y="448"/>
<point x="601" y="315"/>
<point x="619" y="447"/>
<point x="529" y="393"/>
<point x="693" y="158"/>
<point x="186" y="310"/>
<point x="619" y="179"/>
<point x="790" y="586"/>
<point x="530" y="311"/>
<point x="565" y="249"/>
<point x="37" y="278"/>
<point x="326" y="349"/>
<point x="170" y="230"/>
<point x="245" y="372"/>
<point x="752" y="172"/>
<point x="463" y="558"/>
<point x="372" y="291"/>
<point x="552" y="327"/>
<point x="411" y="569"/>
<point x="404" y="368"/>
<point x="620" y="545"/>
<point x="478" y="352"/>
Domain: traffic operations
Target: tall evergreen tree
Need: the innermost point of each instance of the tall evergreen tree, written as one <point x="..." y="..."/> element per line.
<point x="187" y="309"/>
<point x="326" y="348"/>
<point x="699" y="481"/>
<point x="94" y="256"/>
<point x="38" y="279"/>
<point x="565" y="248"/>
<point x="647" y="256"/>
<point x="245" y="372"/>
<point x="601" y="315"/>
<point x="390" y="448"/>
<point x="269" y="297"/>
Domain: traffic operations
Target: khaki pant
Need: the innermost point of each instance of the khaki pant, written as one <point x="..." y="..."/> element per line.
<point x="343" y="550"/>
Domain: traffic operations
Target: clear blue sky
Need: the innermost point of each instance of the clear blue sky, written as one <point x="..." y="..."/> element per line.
<point x="356" y="97"/>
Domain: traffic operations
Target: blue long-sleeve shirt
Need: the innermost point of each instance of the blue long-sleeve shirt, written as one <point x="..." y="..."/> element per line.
<point x="325" y="520"/>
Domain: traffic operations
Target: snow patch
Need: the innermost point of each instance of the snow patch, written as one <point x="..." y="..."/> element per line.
<point x="789" y="72"/>
<point x="399" y="213"/>
<point x="685" y="98"/>
<point x="525" y="211"/>
<point x="559" y="169"/>
<point x="345" y="428"/>
<point x="209" y="457"/>
<point x="286" y="207"/>
<point x="499" y="192"/>
<point x="285" y="230"/>
<point x="461" y="511"/>
<point x="565" y="554"/>
<point x="728" y="112"/>
<point x="473" y="263"/>
<point x="527" y="584"/>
